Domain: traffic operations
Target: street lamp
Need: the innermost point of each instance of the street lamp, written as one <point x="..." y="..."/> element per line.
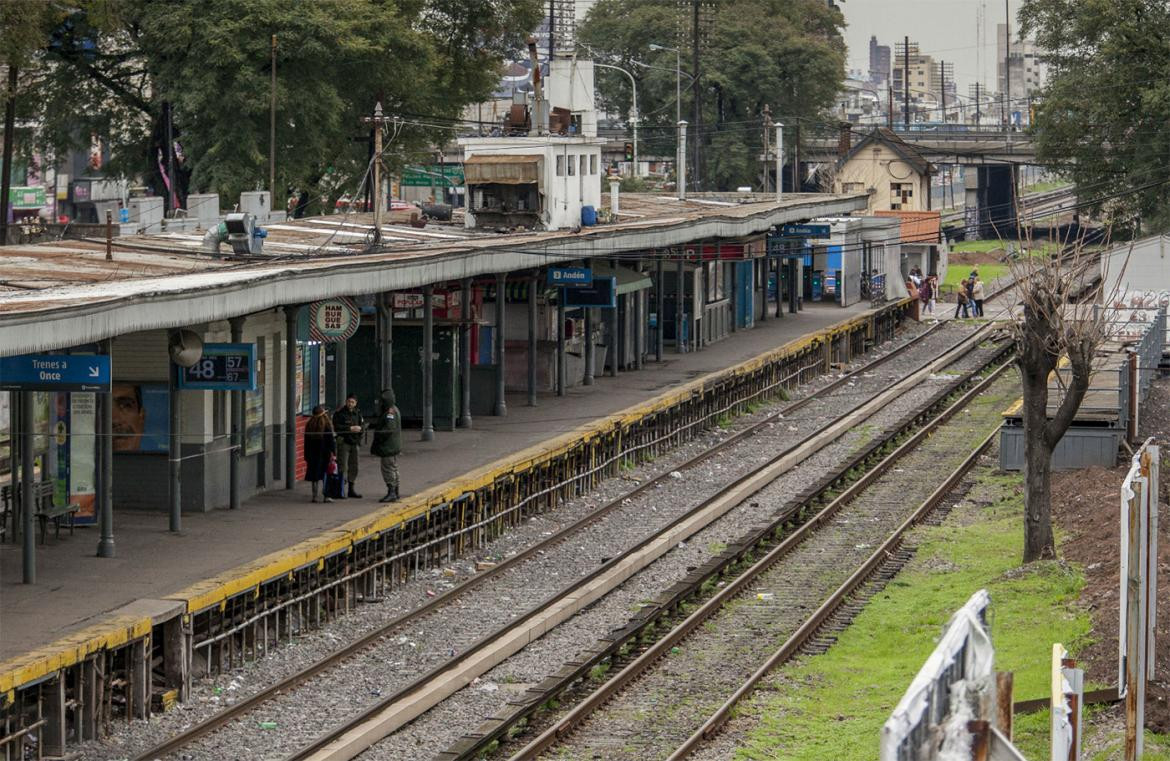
<point x="680" y="157"/>
<point x="677" y="81"/>
<point x="634" y="118"/>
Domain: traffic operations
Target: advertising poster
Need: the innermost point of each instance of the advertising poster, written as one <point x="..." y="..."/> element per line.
<point x="254" y="414"/>
<point x="300" y="384"/>
<point x="141" y="417"/>
<point x="41" y="421"/>
<point x="82" y="455"/>
<point x="5" y="425"/>
<point x="59" y="449"/>
<point x="320" y="352"/>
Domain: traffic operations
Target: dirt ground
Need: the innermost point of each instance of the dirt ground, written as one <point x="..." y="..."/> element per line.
<point x="976" y="257"/>
<point x="1086" y="507"/>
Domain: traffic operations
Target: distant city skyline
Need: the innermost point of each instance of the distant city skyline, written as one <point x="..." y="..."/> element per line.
<point x="943" y="29"/>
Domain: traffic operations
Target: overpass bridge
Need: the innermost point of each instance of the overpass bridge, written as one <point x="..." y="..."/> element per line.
<point x="954" y="144"/>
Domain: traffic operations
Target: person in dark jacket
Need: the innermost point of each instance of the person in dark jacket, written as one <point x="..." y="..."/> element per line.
<point x="388" y="442"/>
<point x="348" y="424"/>
<point x="319" y="448"/>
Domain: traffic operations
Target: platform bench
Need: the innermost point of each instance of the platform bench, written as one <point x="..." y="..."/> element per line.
<point x="46" y="511"/>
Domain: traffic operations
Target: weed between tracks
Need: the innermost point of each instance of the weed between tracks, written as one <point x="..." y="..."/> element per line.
<point x="833" y="705"/>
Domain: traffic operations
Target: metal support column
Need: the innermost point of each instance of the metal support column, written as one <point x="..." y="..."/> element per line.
<point x="639" y="326"/>
<point x="764" y="271"/>
<point x="793" y="286"/>
<point x="385" y="331"/>
<point x="28" y="506"/>
<point x="501" y="287"/>
<point x="532" y="284"/>
<point x="562" y="380"/>
<point x="734" y="294"/>
<point x="237" y="427"/>
<point x="680" y="294"/>
<point x="290" y="395"/>
<point x="589" y="348"/>
<point x="104" y="440"/>
<point x="611" y="343"/>
<point x="465" y="357"/>
<point x="428" y="364"/>
<point x="659" y="316"/>
<point x="341" y="370"/>
<point x="175" y="450"/>
<point x="780" y="266"/>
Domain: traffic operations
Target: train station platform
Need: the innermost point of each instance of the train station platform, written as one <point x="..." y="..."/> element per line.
<point x="82" y="603"/>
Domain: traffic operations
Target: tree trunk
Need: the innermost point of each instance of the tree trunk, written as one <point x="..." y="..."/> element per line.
<point x="1038" y="541"/>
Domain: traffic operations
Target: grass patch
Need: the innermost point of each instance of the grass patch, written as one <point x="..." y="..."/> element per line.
<point x="957" y="271"/>
<point x="978" y="246"/>
<point x="833" y="706"/>
<point x="1046" y="186"/>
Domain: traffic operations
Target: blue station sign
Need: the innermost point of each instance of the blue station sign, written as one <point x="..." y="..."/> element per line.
<point x="570" y="277"/>
<point x="601" y="293"/>
<point x="55" y="372"/>
<point x="223" y="367"/>
<point x="805" y="231"/>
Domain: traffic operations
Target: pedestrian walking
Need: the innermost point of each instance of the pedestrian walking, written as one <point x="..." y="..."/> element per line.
<point x="977" y="294"/>
<point x="388" y="442"/>
<point x="961" y="300"/>
<point x="320" y="449"/>
<point x="926" y="296"/>
<point x="348" y="424"/>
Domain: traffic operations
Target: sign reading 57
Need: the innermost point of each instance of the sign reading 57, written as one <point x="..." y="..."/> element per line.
<point x="223" y="367"/>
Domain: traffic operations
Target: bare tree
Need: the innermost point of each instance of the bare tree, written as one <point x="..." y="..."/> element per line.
<point x="1058" y="327"/>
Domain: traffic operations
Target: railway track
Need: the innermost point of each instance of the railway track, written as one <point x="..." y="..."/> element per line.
<point x="390" y="714"/>
<point x="677" y="692"/>
<point x="237" y="712"/>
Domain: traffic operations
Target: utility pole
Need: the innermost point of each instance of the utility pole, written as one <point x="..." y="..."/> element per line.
<point x="681" y="172"/>
<point x="174" y="199"/>
<point x="377" y="121"/>
<point x="890" y="104"/>
<point x="906" y="83"/>
<point x="695" y="85"/>
<point x="1007" y="64"/>
<point x="767" y="127"/>
<point x="9" y="142"/>
<point x="942" y="78"/>
<point x="978" y="115"/>
<point x="780" y="168"/>
<point x="272" y="129"/>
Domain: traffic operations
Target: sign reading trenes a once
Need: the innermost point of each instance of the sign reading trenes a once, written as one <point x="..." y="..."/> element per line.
<point x="223" y="367"/>
<point x="55" y="372"/>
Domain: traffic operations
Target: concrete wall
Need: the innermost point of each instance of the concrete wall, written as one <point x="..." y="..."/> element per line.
<point x="873" y="170"/>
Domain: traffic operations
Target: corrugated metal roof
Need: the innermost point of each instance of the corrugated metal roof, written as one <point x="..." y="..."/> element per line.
<point x="72" y="295"/>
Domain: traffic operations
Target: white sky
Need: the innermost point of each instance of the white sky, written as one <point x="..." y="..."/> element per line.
<point x="944" y="29"/>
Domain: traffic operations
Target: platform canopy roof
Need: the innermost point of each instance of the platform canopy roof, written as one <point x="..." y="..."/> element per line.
<point x="65" y="293"/>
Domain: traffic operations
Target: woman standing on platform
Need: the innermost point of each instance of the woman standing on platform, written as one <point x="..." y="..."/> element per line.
<point x="320" y="446"/>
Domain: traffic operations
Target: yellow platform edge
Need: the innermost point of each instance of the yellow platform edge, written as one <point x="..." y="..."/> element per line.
<point x="76" y="647"/>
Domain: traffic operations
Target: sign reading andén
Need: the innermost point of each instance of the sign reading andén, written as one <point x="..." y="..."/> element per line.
<point x="570" y="277"/>
<point x="805" y="231"/>
<point x="55" y="372"/>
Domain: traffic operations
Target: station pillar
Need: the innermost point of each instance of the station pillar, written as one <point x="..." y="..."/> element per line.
<point x="764" y="268"/>
<point x="501" y="286"/>
<point x="532" y="283"/>
<point x="680" y="294"/>
<point x="237" y="426"/>
<point x="562" y="381"/>
<point x="590" y="348"/>
<point x="291" y="313"/>
<point x="658" y="312"/>
<point x="428" y="364"/>
<point x="175" y="450"/>
<point x="385" y="332"/>
<point x="105" y="449"/>
<point x="465" y="356"/>
<point x="27" y="500"/>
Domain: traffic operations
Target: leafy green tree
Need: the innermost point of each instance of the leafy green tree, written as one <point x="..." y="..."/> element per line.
<point x="1104" y="116"/>
<point x="788" y="54"/>
<point x="108" y="70"/>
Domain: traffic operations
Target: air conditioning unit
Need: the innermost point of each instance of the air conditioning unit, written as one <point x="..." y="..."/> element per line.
<point x="243" y="234"/>
<point x="258" y="203"/>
